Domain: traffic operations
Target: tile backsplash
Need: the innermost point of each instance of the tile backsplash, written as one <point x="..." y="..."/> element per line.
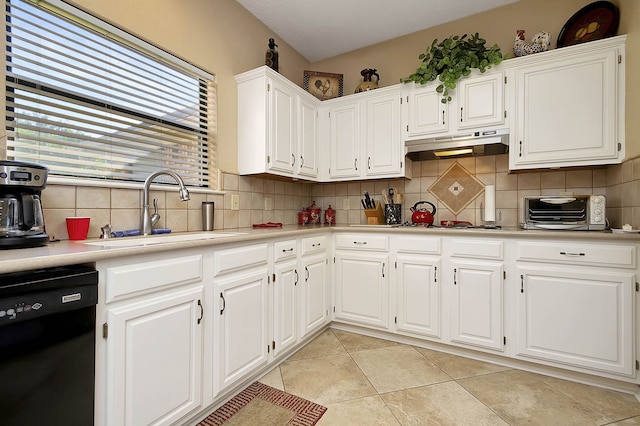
<point x="264" y="199"/>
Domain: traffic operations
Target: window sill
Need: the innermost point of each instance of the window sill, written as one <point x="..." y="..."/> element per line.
<point x="60" y="180"/>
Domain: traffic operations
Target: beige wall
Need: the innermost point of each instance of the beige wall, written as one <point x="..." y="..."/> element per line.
<point x="398" y="58"/>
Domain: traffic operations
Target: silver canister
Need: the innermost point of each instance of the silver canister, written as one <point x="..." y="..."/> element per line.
<point x="207" y="215"/>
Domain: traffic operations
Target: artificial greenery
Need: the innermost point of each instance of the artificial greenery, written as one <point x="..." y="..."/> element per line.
<point x="452" y="59"/>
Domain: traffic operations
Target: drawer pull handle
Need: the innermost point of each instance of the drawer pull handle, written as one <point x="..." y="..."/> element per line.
<point x="297" y="277"/>
<point x="315" y="245"/>
<point x="201" y="311"/>
<point x="306" y="271"/>
<point x="569" y="254"/>
<point x="224" y="304"/>
<point x="455" y="273"/>
<point x="286" y="250"/>
<point x="360" y="242"/>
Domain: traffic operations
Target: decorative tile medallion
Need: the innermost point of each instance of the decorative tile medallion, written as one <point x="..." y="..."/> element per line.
<point x="456" y="188"/>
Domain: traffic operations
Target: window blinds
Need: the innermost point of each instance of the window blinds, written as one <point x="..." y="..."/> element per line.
<point x="85" y="104"/>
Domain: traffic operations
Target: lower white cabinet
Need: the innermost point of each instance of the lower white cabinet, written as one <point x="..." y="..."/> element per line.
<point x="240" y="340"/>
<point x="315" y="287"/>
<point x="476" y="303"/>
<point x="575" y="305"/>
<point x="152" y="340"/>
<point x="286" y="305"/>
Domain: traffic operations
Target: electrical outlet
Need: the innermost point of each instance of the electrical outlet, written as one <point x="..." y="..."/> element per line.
<point x="345" y="204"/>
<point x="235" y="202"/>
<point x="268" y="203"/>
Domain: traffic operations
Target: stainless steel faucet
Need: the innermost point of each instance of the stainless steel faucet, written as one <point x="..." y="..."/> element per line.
<point x="145" y="221"/>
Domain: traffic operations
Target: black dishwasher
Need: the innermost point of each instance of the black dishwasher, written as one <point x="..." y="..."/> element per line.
<point x="47" y="346"/>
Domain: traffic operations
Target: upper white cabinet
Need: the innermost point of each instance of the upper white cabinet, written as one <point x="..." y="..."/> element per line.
<point x="277" y="126"/>
<point x="569" y="106"/>
<point x="364" y="135"/>
<point x="477" y="103"/>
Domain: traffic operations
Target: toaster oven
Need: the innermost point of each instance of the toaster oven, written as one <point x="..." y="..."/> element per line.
<point x="579" y="212"/>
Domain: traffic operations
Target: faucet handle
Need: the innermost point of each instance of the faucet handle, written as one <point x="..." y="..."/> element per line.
<point x="106" y="231"/>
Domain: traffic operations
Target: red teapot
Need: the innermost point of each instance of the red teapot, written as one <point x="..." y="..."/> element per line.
<point x="422" y="215"/>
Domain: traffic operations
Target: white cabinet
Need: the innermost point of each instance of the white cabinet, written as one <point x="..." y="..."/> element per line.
<point x="277" y="126"/>
<point x="362" y="279"/>
<point x="315" y="284"/>
<point x="286" y="311"/>
<point x="476" y="276"/>
<point x="241" y="312"/>
<point x="477" y="103"/>
<point x="153" y="339"/>
<point x="418" y="285"/>
<point x="569" y="106"/>
<point x="364" y="135"/>
<point x="577" y="312"/>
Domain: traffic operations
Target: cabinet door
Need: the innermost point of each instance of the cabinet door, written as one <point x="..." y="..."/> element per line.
<point x="567" y="112"/>
<point x="154" y="353"/>
<point x="285" y="306"/>
<point x="383" y="135"/>
<point x="476" y="303"/>
<point x="427" y="115"/>
<point x="308" y="139"/>
<point x="480" y="101"/>
<point x="314" y="286"/>
<point x="282" y="136"/>
<point x="344" y="138"/>
<point x="362" y="288"/>
<point x="418" y="290"/>
<point x="576" y="317"/>
<point x="241" y="332"/>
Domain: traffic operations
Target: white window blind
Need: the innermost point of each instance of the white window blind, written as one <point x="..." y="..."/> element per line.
<point x="88" y="100"/>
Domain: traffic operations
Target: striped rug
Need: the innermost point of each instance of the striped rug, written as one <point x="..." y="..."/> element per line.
<point x="263" y="405"/>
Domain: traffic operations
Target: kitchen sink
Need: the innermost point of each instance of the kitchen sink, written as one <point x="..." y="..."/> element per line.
<point x="160" y="239"/>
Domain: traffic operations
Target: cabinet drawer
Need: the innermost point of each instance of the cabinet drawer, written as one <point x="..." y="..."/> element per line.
<point x="427" y="245"/>
<point x="578" y="254"/>
<point x="314" y="244"/>
<point x="283" y="250"/>
<point x="236" y="259"/>
<point x="138" y="278"/>
<point x="477" y="248"/>
<point x="362" y="242"/>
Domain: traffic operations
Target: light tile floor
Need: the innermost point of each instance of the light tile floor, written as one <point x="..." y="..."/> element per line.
<point x="368" y="381"/>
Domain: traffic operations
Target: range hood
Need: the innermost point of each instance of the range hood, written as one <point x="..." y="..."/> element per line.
<point x="488" y="142"/>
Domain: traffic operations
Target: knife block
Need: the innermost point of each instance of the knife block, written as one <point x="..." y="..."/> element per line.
<point x="375" y="216"/>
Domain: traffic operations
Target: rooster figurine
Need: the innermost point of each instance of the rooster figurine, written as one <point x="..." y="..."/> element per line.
<point x="539" y="43"/>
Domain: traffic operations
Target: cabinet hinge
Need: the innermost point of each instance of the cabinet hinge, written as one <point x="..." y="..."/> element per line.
<point x="268" y="159"/>
<point x="396" y="264"/>
<point x="273" y="345"/>
<point x="334" y="309"/>
<point x="395" y="320"/>
<point x="105" y="330"/>
<point x="504" y="340"/>
<point x="400" y="100"/>
<point x="637" y="287"/>
<point x="619" y="146"/>
<point x="505" y="113"/>
<point x="401" y="164"/>
<point x="619" y="59"/>
<point x="268" y="87"/>
<point x="334" y="259"/>
<point x="504" y="275"/>
<point x="637" y="365"/>
<point x="274" y="278"/>
<point x="268" y="349"/>
<point x="505" y="79"/>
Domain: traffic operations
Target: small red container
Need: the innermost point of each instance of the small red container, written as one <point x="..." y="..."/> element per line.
<point x="303" y="217"/>
<point x="314" y="213"/>
<point x="330" y="216"/>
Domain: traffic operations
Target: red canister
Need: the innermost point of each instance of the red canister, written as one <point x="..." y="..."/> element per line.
<point x="314" y="213"/>
<point x="330" y="216"/>
<point x="303" y="217"/>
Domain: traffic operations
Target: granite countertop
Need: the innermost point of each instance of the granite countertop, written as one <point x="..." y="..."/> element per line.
<point x="71" y="252"/>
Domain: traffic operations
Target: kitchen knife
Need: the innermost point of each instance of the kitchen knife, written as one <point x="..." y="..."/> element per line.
<point x="367" y="199"/>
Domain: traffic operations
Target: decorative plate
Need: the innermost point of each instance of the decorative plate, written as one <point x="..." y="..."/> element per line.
<point x="593" y="22"/>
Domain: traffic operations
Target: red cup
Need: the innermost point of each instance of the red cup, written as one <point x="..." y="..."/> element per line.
<point x="78" y="227"/>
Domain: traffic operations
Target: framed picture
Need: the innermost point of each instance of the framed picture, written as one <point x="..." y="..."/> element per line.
<point x="322" y="85"/>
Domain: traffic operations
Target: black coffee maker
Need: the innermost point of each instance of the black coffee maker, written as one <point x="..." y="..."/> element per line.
<point x="21" y="217"/>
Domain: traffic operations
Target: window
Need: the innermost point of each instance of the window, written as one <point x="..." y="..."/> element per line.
<point x="90" y="101"/>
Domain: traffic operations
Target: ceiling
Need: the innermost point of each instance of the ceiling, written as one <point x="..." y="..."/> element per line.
<point x="321" y="30"/>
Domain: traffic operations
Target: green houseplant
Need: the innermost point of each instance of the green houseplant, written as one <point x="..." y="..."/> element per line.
<point x="453" y="58"/>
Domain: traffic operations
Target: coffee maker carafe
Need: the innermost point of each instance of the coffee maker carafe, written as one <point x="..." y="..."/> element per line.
<point x="21" y="217"/>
